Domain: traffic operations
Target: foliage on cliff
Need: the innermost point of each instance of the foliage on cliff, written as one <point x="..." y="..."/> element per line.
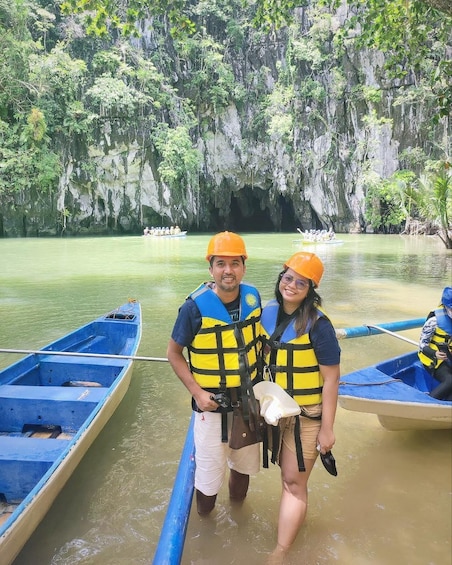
<point x="61" y="89"/>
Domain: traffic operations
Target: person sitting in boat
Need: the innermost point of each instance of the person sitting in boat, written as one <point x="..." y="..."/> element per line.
<point x="435" y="346"/>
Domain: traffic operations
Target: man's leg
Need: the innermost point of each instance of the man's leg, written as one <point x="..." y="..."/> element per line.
<point x="205" y="504"/>
<point x="238" y="485"/>
<point x="210" y="459"/>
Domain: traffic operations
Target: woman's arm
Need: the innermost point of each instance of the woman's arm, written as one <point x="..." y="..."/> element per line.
<point x="326" y="438"/>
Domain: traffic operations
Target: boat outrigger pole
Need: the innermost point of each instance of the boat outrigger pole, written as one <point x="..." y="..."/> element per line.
<point x="79" y="354"/>
<point x="370" y="329"/>
<point x="395" y="335"/>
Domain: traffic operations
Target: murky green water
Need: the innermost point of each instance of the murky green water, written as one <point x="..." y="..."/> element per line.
<point x="391" y="502"/>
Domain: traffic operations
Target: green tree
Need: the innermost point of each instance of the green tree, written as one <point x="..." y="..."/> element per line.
<point x="409" y="32"/>
<point x="389" y="202"/>
<point x="404" y="197"/>
<point x="27" y="163"/>
<point x="180" y="161"/>
<point x="414" y="37"/>
<point x="435" y="198"/>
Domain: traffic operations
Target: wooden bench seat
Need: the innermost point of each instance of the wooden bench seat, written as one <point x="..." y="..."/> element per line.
<point x="67" y="407"/>
<point x="23" y="462"/>
<point x="59" y="393"/>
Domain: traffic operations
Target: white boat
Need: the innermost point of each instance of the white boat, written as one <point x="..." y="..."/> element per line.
<point x="321" y="242"/>
<point x="161" y="234"/>
<point x="318" y="238"/>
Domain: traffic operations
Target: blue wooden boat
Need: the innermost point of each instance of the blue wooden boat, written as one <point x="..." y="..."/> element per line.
<point x="397" y="391"/>
<point x="53" y="404"/>
<point x="171" y="542"/>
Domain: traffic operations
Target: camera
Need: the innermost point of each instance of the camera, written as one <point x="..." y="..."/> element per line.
<point x="221" y="399"/>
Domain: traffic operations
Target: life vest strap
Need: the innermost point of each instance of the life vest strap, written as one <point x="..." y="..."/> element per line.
<point x="290" y="345"/>
<point x="305" y="391"/>
<point x="275" y="442"/>
<point x="215" y="372"/>
<point x="295" y="370"/>
<point x="298" y="446"/>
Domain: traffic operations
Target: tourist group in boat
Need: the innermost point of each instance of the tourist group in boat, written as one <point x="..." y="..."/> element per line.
<point x="163" y="231"/>
<point x="318" y="236"/>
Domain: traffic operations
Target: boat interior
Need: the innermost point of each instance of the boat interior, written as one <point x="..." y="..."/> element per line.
<point x="46" y="399"/>
<point x="411" y="372"/>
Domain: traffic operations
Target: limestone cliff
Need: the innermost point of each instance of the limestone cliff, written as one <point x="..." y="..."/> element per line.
<point x="311" y="126"/>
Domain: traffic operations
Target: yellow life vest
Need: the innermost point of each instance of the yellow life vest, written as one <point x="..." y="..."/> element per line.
<point x="295" y="368"/>
<point x="442" y="335"/>
<point x="214" y="352"/>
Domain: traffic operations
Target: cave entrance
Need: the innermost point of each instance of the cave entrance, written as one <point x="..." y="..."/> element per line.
<point x="246" y="213"/>
<point x="289" y="222"/>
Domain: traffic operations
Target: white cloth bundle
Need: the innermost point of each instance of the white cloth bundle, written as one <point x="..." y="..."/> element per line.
<point x="275" y="402"/>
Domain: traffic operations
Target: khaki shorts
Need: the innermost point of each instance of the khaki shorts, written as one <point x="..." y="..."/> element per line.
<point x="309" y="432"/>
<point x="213" y="456"/>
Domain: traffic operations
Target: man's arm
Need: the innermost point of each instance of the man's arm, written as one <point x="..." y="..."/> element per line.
<point x="182" y="370"/>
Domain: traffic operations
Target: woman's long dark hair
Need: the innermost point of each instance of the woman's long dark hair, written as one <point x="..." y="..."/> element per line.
<point x="307" y="312"/>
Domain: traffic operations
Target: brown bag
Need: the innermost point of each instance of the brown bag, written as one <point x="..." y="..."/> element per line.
<point x="244" y="432"/>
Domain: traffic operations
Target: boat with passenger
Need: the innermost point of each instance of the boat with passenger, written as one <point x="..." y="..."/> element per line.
<point x="397" y="391"/>
<point x="173" y="231"/>
<point x="318" y="237"/>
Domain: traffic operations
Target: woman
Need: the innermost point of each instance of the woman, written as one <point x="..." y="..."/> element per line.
<point x="303" y="355"/>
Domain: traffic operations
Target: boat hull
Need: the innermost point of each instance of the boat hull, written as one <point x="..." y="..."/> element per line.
<point x="397" y="391"/>
<point x="313" y="242"/>
<point x="16" y="530"/>
<point x="167" y="235"/>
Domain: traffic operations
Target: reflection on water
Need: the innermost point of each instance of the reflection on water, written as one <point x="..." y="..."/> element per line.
<point x="391" y="501"/>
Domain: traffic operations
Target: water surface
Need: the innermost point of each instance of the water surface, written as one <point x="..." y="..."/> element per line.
<point x="391" y="502"/>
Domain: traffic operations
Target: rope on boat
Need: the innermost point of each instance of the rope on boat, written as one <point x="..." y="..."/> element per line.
<point x="371" y="384"/>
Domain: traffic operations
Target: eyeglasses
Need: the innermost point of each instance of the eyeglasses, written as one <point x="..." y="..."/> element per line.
<point x="301" y="285"/>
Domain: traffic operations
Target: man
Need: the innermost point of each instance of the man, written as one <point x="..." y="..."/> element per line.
<point x="435" y="346"/>
<point x="206" y="325"/>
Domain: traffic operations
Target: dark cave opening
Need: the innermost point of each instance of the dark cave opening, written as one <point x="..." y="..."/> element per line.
<point x="246" y="213"/>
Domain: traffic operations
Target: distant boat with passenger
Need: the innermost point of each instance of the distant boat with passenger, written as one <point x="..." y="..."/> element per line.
<point x="318" y="237"/>
<point x="173" y="231"/>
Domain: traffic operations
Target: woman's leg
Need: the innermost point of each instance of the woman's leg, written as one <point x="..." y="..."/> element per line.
<point x="444" y="390"/>
<point x="294" y="497"/>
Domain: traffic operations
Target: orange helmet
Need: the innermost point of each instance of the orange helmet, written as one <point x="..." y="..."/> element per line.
<point x="228" y="244"/>
<point x="307" y="265"/>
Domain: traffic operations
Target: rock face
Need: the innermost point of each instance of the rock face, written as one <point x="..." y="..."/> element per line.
<point x="328" y="124"/>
